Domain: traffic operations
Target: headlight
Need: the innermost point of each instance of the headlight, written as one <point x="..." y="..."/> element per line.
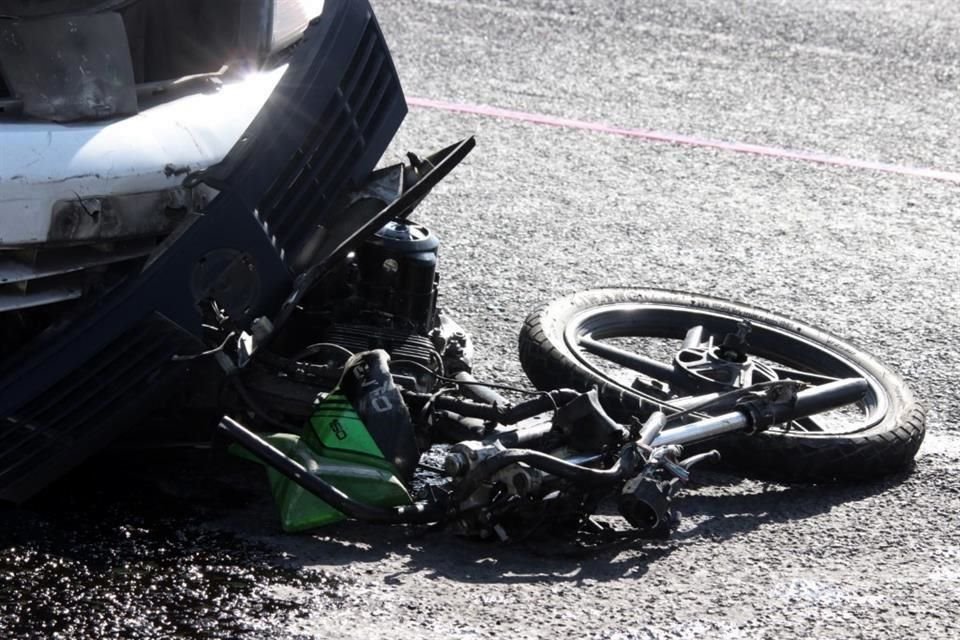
<point x="289" y="20"/>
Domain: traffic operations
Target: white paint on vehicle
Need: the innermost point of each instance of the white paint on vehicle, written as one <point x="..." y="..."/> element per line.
<point x="42" y="163"/>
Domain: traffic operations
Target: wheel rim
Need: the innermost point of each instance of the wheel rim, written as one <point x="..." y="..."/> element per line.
<point x="789" y="349"/>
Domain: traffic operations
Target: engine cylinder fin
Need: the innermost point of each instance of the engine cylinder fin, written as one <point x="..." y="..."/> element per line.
<point x="401" y="345"/>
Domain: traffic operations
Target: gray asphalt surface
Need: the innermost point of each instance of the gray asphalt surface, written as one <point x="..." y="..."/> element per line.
<point x="537" y="212"/>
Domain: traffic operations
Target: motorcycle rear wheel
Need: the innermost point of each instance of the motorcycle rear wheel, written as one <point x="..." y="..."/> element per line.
<point x="881" y="435"/>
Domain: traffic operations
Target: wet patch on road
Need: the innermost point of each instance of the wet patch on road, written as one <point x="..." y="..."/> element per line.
<point x="127" y="559"/>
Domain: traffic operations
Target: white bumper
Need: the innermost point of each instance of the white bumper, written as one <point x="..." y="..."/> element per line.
<point x="43" y="164"/>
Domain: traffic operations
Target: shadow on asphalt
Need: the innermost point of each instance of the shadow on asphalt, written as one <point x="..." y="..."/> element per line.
<point x="197" y="530"/>
<point x="741" y="506"/>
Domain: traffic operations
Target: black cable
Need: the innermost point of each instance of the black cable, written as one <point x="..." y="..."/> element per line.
<point x="491" y="385"/>
<point x="507" y="415"/>
<point x="422" y="415"/>
<point x="317" y="347"/>
<point x="208" y="352"/>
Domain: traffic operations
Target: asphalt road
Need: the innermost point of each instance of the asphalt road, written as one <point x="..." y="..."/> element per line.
<point x="538" y="211"/>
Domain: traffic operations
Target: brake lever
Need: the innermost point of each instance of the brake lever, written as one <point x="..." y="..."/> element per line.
<point x="713" y="456"/>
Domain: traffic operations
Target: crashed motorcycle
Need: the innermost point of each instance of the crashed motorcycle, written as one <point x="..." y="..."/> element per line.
<point x="634" y="387"/>
<point x="292" y="292"/>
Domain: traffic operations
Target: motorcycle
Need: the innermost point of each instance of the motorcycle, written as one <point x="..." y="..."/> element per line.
<point x="296" y="293"/>
<point x="633" y="388"/>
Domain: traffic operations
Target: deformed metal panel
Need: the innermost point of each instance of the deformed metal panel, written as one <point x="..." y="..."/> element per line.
<point x="87" y="219"/>
<point x="358" y="101"/>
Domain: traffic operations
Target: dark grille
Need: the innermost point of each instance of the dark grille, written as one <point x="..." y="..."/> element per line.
<point x="368" y="92"/>
<point x="44" y="434"/>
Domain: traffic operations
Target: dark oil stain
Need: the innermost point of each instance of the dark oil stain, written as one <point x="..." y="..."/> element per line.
<point x="118" y="558"/>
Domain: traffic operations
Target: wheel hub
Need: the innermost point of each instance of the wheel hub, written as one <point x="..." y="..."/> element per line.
<point x="708" y="368"/>
<point x="723" y="366"/>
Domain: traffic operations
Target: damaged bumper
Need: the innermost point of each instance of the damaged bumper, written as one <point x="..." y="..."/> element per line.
<point x="77" y="198"/>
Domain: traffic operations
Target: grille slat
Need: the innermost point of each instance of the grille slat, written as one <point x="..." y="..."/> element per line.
<point x="285" y="230"/>
<point x="313" y="178"/>
<point x="286" y="204"/>
<point x="118" y="379"/>
<point x="84" y="403"/>
<point x="291" y="226"/>
<point x="369" y="111"/>
<point x="66" y="402"/>
<point x="283" y="188"/>
<point x="74" y="383"/>
<point x="368" y="44"/>
<point x="371" y="78"/>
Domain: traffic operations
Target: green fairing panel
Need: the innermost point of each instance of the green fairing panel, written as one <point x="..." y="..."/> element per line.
<point x="336" y="446"/>
<point x="300" y="510"/>
<point x="336" y="427"/>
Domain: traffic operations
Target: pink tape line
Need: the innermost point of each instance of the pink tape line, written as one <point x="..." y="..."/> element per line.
<point x="679" y="138"/>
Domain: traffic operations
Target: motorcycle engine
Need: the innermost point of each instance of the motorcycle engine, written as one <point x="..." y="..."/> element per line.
<point x="396" y="275"/>
<point x="384" y="296"/>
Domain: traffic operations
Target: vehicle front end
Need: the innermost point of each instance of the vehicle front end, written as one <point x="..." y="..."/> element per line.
<point x="166" y="166"/>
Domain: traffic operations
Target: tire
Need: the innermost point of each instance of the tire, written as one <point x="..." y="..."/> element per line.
<point x="885" y="442"/>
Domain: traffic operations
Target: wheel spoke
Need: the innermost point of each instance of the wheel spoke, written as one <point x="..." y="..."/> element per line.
<point x="786" y="373"/>
<point x="806" y="425"/>
<point x="745" y="377"/>
<point x="636" y="362"/>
